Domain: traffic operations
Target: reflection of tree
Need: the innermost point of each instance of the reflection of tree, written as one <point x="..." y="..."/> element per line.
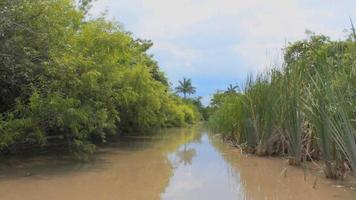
<point x="197" y="138"/>
<point x="178" y="144"/>
<point x="186" y="155"/>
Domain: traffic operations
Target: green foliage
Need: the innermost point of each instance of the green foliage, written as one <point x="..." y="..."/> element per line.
<point x="199" y="108"/>
<point x="227" y="116"/>
<point x="72" y="82"/>
<point x="306" y="106"/>
<point x="185" y="87"/>
<point x="291" y="121"/>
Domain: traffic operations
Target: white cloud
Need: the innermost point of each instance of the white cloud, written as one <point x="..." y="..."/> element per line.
<point x="258" y="29"/>
<point x="259" y="56"/>
<point x="185" y="54"/>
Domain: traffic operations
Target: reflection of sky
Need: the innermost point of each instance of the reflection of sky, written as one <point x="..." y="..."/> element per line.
<point x="208" y="176"/>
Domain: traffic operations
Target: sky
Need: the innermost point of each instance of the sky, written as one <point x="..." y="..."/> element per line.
<point x="221" y="42"/>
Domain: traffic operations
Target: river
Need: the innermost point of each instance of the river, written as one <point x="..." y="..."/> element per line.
<point x="173" y="164"/>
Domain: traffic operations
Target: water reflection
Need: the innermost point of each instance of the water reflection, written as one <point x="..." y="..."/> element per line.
<point x="134" y="168"/>
<point x="207" y="177"/>
<point x="174" y="164"/>
<point x="272" y="178"/>
<point x="186" y="155"/>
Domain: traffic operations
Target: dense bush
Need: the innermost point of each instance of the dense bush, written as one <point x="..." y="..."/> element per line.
<point x="72" y="82"/>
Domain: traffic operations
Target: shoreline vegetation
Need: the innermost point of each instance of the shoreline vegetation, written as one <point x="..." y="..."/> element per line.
<point x="70" y="82"/>
<point x="304" y="111"/>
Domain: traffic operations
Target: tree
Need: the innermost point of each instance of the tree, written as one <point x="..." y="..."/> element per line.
<point x="84" y="5"/>
<point x="232" y="89"/>
<point x="185" y="87"/>
<point x="70" y="82"/>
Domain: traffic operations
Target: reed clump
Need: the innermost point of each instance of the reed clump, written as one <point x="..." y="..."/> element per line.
<point x="304" y="110"/>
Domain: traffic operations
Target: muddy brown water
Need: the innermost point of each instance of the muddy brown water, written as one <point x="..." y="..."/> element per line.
<point x="174" y="164"/>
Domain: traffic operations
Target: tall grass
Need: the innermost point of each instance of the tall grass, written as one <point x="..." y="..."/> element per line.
<point x="306" y="109"/>
<point x="261" y="104"/>
<point x="292" y="117"/>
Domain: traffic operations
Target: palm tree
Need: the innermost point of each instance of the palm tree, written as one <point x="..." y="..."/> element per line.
<point x="185" y="87"/>
<point x="186" y="155"/>
<point x="232" y="89"/>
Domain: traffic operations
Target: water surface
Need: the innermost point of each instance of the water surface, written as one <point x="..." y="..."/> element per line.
<point x="175" y="164"/>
